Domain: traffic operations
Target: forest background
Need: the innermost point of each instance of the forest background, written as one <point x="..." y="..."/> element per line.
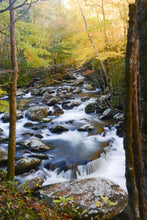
<point x="51" y="37"/>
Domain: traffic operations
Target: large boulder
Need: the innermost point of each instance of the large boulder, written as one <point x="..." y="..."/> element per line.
<point x="3" y="156"/>
<point x="58" y="129"/>
<point x="26" y="164"/>
<point x="35" y="144"/>
<point x="37" y="113"/>
<point x="95" y="198"/>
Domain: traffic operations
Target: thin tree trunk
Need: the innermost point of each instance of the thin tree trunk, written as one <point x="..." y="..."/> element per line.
<point x="128" y="122"/>
<point x="91" y="41"/>
<point x="142" y="35"/>
<point x="13" y="89"/>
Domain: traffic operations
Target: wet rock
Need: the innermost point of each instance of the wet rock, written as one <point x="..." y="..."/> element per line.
<point x="69" y="105"/>
<point x="35" y="144"/>
<point x="120" y="128"/>
<point x="67" y="76"/>
<point x="19" y="114"/>
<point x="57" y="110"/>
<point x="89" y="87"/>
<point x="20" y="92"/>
<point x="104" y="101"/>
<point x="46" y="120"/>
<point x="46" y="96"/>
<point x="119" y="116"/>
<point x="38" y="136"/>
<point x="40" y="156"/>
<point x="37" y="113"/>
<point x="87" y="127"/>
<point x="58" y="129"/>
<point x="1" y="130"/>
<point x="107" y="114"/>
<point x="78" y="82"/>
<point x="85" y="98"/>
<point x="35" y="92"/>
<point x="95" y="198"/>
<point x="90" y="108"/>
<point x="26" y="164"/>
<point x="6" y="116"/>
<point x="3" y="139"/>
<point x="77" y="91"/>
<point x="29" y="133"/>
<point x="28" y="124"/>
<point x="31" y="185"/>
<point x="52" y="101"/>
<point x="3" y="156"/>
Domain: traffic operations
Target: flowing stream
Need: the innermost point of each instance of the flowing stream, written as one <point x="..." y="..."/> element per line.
<point x="73" y="154"/>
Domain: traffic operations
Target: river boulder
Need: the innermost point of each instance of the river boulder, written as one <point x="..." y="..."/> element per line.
<point x="87" y="127"/>
<point x="35" y="144"/>
<point x="52" y="101"/>
<point x="90" y="108"/>
<point x="57" y="110"/>
<point x="107" y="114"/>
<point x="58" y="129"/>
<point x="26" y="164"/>
<point x="95" y="198"/>
<point x="37" y="113"/>
<point x="70" y="104"/>
<point x="3" y="156"/>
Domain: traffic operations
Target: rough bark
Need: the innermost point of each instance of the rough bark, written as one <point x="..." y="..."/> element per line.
<point x="13" y="89"/>
<point x="142" y="35"/>
<point x="128" y="128"/>
<point x="136" y="130"/>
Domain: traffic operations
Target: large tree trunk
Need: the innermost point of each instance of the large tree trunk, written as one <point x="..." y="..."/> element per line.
<point x="136" y="131"/>
<point x="128" y="122"/>
<point x="142" y="35"/>
<point x="13" y="89"/>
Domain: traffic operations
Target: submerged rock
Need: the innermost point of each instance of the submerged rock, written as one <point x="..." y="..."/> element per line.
<point x="37" y="113"/>
<point x="35" y="144"/>
<point x="58" y="129"/>
<point x="26" y="164"/>
<point x="96" y="198"/>
<point x="3" y="156"/>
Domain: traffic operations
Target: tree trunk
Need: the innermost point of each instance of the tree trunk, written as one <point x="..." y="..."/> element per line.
<point x="136" y="130"/>
<point x="13" y="89"/>
<point x="128" y="122"/>
<point x="142" y="35"/>
<point x="106" y="83"/>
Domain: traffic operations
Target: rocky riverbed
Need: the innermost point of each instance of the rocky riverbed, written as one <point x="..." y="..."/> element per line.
<point x="65" y="132"/>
